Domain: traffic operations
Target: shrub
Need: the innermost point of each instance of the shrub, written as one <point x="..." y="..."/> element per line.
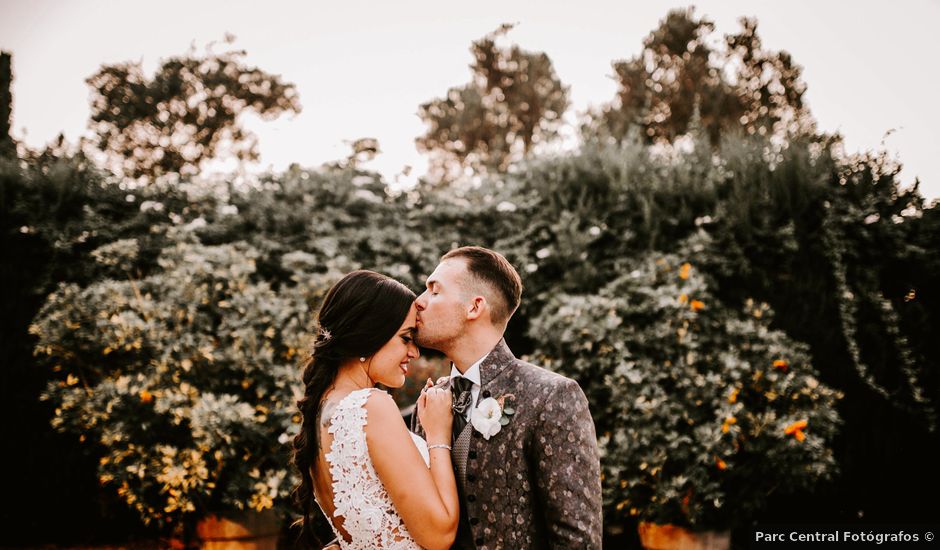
<point x="183" y="382"/>
<point x="702" y="411"/>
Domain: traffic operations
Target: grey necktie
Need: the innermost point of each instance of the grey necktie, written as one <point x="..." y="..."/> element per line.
<point x="460" y="387"/>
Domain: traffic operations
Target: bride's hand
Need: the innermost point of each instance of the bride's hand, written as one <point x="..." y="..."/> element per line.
<point x="436" y="415"/>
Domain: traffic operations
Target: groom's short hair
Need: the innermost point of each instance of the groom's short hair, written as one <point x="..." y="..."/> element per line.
<point x="494" y="271"/>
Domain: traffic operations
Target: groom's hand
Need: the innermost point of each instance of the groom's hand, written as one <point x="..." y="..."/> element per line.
<point x="441" y="382"/>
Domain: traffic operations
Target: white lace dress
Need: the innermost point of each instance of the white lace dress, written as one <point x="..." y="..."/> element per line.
<point x="360" y="498"/>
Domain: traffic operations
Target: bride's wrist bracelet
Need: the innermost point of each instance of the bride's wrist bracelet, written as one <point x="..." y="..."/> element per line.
<point x="439" y="447"/>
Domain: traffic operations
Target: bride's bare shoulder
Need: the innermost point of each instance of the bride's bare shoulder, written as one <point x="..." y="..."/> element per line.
<point x="384" y="420"/>
<point x="380" y="405"/>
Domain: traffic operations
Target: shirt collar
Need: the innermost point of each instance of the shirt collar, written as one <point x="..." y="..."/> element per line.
<point x="472" y="374"/>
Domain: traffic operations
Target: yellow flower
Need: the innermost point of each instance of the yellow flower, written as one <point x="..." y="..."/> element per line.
<point x="683" y="298"/>
<point x="684" y="271"/>
<point x="733" y="398"/>
<point x="261" y="502"/>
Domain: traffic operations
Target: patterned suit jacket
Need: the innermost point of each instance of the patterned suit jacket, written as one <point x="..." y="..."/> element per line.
<point x="536" y="483"/>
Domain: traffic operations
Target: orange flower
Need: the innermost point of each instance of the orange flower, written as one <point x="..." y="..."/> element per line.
<point x="697" y="305"/>
<point x="796" y="430"/>
<point x="685" y="501"/>
<point x="733" y="398"/>
<point x="722" y="465"/>
<point x="798" y="425"/>
<point x="726" y="425"/>
<point x="146" y="396"/>
<point x="781" y="364"/>
<point x="684" y="271"/>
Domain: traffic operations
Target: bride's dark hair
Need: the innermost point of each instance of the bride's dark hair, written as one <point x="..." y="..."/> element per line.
<point x="359" y="315"/>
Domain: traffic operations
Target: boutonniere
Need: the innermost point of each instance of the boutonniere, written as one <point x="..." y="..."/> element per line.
<point x="490" y="415"/>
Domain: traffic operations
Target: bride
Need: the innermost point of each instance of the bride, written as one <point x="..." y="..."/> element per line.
<point x="379" y="485"/>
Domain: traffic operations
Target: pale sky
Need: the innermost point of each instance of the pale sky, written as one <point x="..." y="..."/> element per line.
<point x="362" y="68"/>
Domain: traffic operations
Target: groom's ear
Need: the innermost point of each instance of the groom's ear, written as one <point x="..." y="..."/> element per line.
<point x="478" y="305"/>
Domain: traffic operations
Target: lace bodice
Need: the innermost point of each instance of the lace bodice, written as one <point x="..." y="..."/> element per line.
<point x="369" y="517"/>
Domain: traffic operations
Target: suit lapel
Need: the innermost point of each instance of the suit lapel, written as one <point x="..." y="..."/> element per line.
<point x="491" y="368"/>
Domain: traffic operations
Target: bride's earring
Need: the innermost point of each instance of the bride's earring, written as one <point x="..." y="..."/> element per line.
<point x="362" y="359"/>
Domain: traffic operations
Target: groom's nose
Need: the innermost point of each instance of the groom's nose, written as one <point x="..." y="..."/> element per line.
<point x="420" y="302"/>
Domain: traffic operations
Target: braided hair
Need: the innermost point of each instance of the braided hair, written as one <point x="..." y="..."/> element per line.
<point x="359" y="315"/>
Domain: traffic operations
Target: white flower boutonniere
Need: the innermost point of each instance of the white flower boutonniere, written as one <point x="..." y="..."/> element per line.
<point x="490" y="415"/>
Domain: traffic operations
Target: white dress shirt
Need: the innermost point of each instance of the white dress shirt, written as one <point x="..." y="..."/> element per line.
<point x="472" y="374"/>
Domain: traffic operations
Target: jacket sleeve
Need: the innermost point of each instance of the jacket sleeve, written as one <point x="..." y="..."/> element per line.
<point x="567" y="469"/>
<point x="416" y="426"/>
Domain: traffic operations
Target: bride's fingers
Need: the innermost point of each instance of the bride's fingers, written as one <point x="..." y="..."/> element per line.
<point x="439" y="398"/>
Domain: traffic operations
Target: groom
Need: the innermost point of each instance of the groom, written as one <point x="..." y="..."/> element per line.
<point x="528" y="473"/>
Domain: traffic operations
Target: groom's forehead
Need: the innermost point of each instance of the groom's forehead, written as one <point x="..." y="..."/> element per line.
<point x="448" y="271"/>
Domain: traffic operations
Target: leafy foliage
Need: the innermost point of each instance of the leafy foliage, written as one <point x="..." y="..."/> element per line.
<point x="702" y="408"/>
<point x="183" y="380"/>
<point x="514" y="102"/>
<point x="680" y="77"/>
<point x="187" y="112"/>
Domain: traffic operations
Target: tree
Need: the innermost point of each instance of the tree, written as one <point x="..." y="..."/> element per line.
<point x="6" y="105"/>
<point x="513" y="102"/>
<point x="187" y="113"/>
<point x="678" y="74"/>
